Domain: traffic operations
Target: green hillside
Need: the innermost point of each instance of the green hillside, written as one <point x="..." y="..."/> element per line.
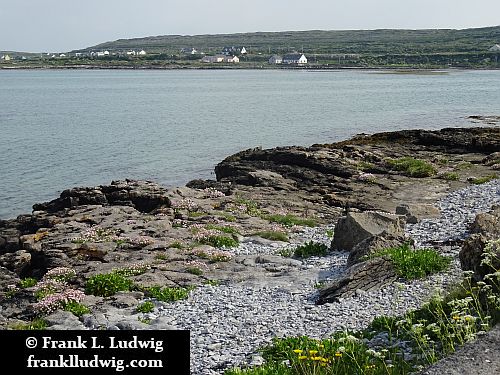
<point x="318" y="41"/>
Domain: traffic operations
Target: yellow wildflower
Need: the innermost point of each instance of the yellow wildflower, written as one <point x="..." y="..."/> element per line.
<point x="338" y="354"/>
<point x="313" y="352"/>
<point x="302" y="357"/>
<point x="298" y="351"/>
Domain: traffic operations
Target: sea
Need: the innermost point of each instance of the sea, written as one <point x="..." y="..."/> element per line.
<point x="66" y="128"/>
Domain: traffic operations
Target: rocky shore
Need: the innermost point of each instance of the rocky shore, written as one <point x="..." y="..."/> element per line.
<point x="233" y="240"/>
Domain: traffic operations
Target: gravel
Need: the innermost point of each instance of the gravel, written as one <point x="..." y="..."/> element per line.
<point x="228" y="323"/>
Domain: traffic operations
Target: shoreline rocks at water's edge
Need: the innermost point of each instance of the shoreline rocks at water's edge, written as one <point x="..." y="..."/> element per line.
<point x="322" y="182"/>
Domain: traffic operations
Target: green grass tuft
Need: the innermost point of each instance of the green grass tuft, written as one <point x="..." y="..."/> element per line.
<point x="167" y="294"/>
<point x="290" y="220"/>
<point x="310" y="249"/>
<point x="450" y="176"/>
<point x="105" y="285"/>
<point x="76" y="308"/>
<point x="273" y="235"/>
<point x="413" y="167"/>
<point x="483" y="180"/>
<point x="146" y="307"/>
<point x="37" y="324"/>
<point x="176" y="245"/>
<point x="28" y="282"/>
<point x="414" y="264"/>
<point x="194" y="271"/>
<point x="222" y="228"/>
<point x="212" y="282"/>
<point x="220" y="241"/>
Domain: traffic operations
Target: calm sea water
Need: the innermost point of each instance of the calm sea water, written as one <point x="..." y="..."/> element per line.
<point x="61" y="129"/>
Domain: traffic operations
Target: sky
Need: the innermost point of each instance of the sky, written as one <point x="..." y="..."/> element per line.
<point x="64" y="25"/>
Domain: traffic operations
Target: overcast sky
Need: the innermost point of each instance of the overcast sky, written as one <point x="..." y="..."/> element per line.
<point x="63" y="25"/>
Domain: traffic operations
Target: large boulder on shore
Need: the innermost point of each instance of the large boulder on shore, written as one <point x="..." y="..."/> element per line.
<point x="487" y="224"/>
<point x="365" y="276"/>
<point x="355" y="227"/>
<point x="485" y="230"/>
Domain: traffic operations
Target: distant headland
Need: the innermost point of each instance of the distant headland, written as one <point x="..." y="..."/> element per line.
<point x="476" y="48"/>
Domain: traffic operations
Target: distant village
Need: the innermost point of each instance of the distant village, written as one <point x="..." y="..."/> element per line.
<point x="227" y="55"/>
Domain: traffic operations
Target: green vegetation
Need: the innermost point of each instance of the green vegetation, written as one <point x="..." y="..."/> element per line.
<point x="212" y="282"/>
<point x="329" y="233"/>
<point x="412" y="167"/>
<point x="176" y="245"/>
<point x="344" y="353"/>
<point x="194" y="271"/>
<point x="105" y="285"/>
<point x="37" y="324"/>
<point x="463" y="165"/>
<point x="132" y="270"/>
<point x="450" y="176"/>
<point x="28" y="282"/>
<point x="483" y="180"/>
<point x="290" y="220"/>
<point x="250" y="207"/>
<point x="310" y="249"/>
<point x="414" y="264"/>
<point x="167" y="294"/>
<point x="219" y="241"/>
<point x="226" y="216"/>
<point x="222" y="228"/>
<point x="146" y="307"/>
<point x="144" y="320"/>
<point x="194" y="214"/>
<point x="76" y="308"/>
<point x="286" y="252"/>
<point x="161" y="256"/>
<point x="273" y="235"/>
<point x="319" y="284"/>
<point x="364" y="166"/>
<point x="273" y="368"/>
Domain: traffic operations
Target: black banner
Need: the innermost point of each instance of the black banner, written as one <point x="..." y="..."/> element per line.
<point x="100" y="352"/>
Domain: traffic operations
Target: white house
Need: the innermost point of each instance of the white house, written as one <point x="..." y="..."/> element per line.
<point x="232" y="59"/>
<point x="62" y="55"/>
<point x="6" y="57"/>
<point x="106" y="53"/>
<point x="495" y="48"/>
<point x="275" y="59"/>
<point x="142" y="53"/>
<point x="295" y="59"/>
<point x="131" y="53"/>
<point x="213" y="59"/>
<point x="100" y="54"/>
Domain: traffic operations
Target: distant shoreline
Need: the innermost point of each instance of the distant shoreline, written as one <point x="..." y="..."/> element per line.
<point x="382" y="69"/>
